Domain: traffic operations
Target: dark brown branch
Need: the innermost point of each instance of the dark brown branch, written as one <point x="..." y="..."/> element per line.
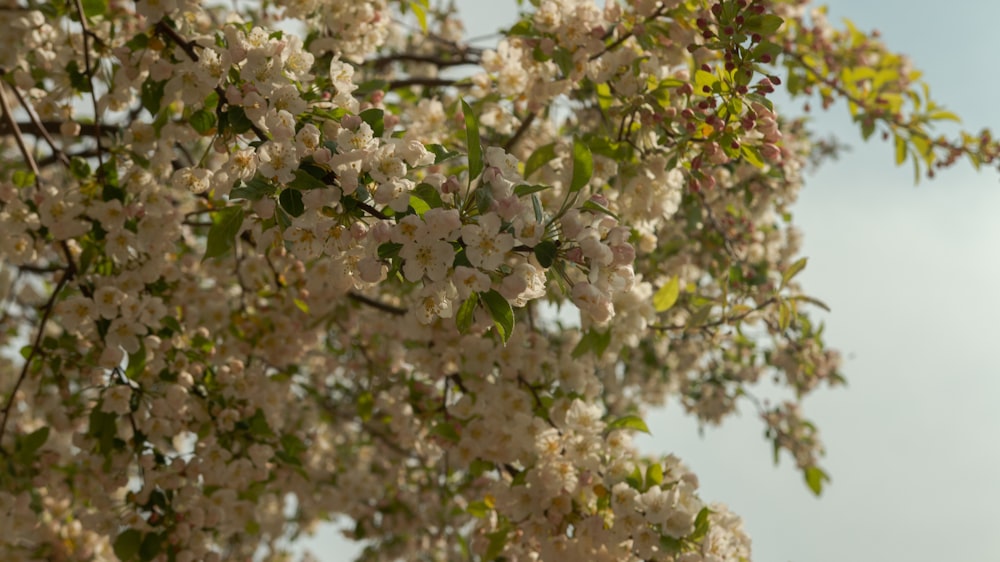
<point x="427" y="82"/>
<point x="525" y="125"/>
<point x="8" y="116"/>
<point x="41" y="128"/>
<point x="36" y="344"/>
<point x="379" y="305"/>
<point x="88" y="65"/>
<point x="437" y="61"/>
<point x="188" y="48"/>
<point x="720" y="321"/>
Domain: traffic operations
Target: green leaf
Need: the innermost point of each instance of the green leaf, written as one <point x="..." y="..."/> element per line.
<point x="701" y="524"/>
<point x="502" y="313"/>
<point x="237" y="119"/>
<point x="666" y="296"/>
<point x="151" y="94"/>
<point x="814" y="479"/>
<point x="629" y="422"/>
<point x="202" y="121"/>
<point x="389" y="250"/>
<point x="429" y="195"/>
<point x="466" y="314"/>
<point x="498" y="541"/>
<point x="546" y="252"/>
<point x="421" y="12"/>
<point x="540" y="157"/>
<point x="366" y="406"/>
<point x="446" y="430"/>
<point x="291" y="201"/>
<point x="127" y="544"/>
<point x="375" y="119"/>
<point x="792" y="271"/>
<point x="900" y="149"/>
<point x="226" y="223"/>
<point x="304" y="181"/>
<point x="478" y="509"/>
<point x="292" y="444"/>
<point x="595" y="207"/>
<point x="33" y="441"/>
<point x="583" y="166"/>
<point x="654" y="475"/>
<point x="474" y="143"/>
<point x="150" y="547"/>
<point x="93" y="8"/>
<point x="441" y="153"/>
<point x="258" y="426"/>
<point x="765" y="24"/>
<point x="705" y="82"/>
<point x="254" y="190"/>
<point x="525" y="189"/>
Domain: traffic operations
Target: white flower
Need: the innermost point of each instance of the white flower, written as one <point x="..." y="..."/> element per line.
<point x="116" y="399"/>
<point x="429" y="256"/>
<point x="485" y="246"/>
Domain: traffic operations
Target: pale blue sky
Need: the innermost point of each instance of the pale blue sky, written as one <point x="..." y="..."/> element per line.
<point x="910" y="274"/>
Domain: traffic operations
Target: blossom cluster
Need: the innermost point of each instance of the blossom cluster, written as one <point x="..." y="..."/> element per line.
<point x="273" y="266"/>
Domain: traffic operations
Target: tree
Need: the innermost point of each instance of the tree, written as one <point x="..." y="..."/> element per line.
<point x="261" y="275"/>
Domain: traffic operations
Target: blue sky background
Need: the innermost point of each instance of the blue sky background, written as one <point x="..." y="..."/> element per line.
<point x="910" y="273"/>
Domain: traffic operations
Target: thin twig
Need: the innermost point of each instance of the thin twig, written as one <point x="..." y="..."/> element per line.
<point x="36" y="345"/>
<point x="384" y="307"/>
<point x="42" y="131"/>
<point x="93" y="94"/>
<point x="525" y="125"/>
<point x="8" y="116"/>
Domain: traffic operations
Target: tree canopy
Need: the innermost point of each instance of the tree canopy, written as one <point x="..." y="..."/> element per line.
<point x="268" y="264"/>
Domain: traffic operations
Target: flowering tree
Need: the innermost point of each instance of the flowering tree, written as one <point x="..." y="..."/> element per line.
<point x="270" y="265"/>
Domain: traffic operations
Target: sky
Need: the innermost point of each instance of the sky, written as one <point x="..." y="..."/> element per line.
<point x="910" y="273"/>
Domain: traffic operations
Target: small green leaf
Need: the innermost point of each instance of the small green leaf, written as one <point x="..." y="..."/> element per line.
<point x="33" y="441"/>
<point x="478" y="509"/>
<point x="540" y="157"/>
<point x="629" y="422"/>
<point x="237" y="119"/>
<point x="421" y="13"/>
<point x="502" y="313"/>
<point x="654" y="475"/>
<point x="304" y="181"/>
<point x="466" y="314"/>
<point x="258" y="426"/>
<point x="792" y="271"/>
<point x="429" y="195"/>
<point x="202" y="121"/>
<point x="701" y="524"/>
<point x="93" y="8"/>
<point x="474" y="143"/>
<point x="150" y="547"/>
<point x="127" y="544"/>
<point x="375" y="119"/>
<point x="595" y="207"/>
<point x="498" y="541"/>
<point x="254" y="190"/>
<point x="667" y="295"/>
<point x="151" y="94"/>
<point x="446" y="430"/>
<point x="705" y="82"/>
<point x="366" y="406"/>
<point x="765" y="24"/>
<point x="226" y="223"/>
<point x="291" y="201"/>
<point x="546" y="252"/>
<point x="441" y="153"/>
<point x="815" y="478"/>
<point x="525" y="189"/>
<point x="583" y="166"/>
